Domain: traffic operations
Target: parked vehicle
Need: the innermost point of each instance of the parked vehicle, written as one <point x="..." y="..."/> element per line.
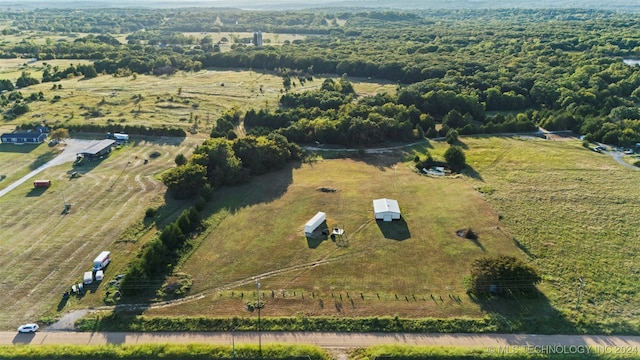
<point x="100" y="262"/>
<point x="28" y="328"/>
<point x="42" y="183"/>
<point x="88" y="278"/>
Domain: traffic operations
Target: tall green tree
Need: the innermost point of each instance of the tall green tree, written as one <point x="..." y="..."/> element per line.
<point x="455" y="157"/>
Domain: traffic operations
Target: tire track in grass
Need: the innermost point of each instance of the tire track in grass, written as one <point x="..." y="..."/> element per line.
<point x="233" y="284"/>
<point x="250" y="280"/>
<point x="31" y="293"/>
<point x="62" y="250"/>
<point x="58" y="255"/>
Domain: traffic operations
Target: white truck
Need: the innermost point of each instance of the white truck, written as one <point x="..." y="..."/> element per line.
<point x="88" y="278"/>
<point x="100" y="262"/>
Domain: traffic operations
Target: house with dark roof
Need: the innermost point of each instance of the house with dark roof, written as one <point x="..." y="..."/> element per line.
<point x="18" y="138"/>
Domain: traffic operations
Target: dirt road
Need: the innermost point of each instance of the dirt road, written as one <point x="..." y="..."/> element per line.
<point x="327" y="340"/>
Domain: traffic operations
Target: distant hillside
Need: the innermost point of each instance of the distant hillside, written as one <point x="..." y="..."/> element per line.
<point x="619" y="5"/>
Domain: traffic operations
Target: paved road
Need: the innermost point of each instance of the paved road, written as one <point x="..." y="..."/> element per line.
<point x="322" y="339"/>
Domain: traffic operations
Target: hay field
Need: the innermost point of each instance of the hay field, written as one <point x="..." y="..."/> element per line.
<point x="43" y="251"/>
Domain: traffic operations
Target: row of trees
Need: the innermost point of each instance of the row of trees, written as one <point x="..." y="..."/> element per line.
<point x="444" y="61"/>
<point x="158" y="256"/>
<point x="121" y="128"/>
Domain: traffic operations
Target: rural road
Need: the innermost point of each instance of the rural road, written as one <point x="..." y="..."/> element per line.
<point x="71" y="148"/>
<point x="618" y="157"/>
<point x="331" y="340"/>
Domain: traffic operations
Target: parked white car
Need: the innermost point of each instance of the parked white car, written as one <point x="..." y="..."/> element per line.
<point x="28" y="328"/>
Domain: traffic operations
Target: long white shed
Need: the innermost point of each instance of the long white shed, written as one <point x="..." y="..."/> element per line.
<point x="315" y="221"/>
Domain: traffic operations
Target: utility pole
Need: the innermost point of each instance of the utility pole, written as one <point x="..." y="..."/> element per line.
<point x="233" y="341"/>
<point x="259" y="306"/>
<point x="580" y="288"/>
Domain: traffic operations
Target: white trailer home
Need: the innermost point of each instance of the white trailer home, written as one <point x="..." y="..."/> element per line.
<point x="315" y="221"/>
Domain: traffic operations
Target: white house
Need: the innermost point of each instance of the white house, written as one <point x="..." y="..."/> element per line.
<point x="315" y="221"/>
<point x="386" y="209"/>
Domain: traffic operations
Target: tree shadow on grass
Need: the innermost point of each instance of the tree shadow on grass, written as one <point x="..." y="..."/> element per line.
<point x="261" y="189"/>
<point x="461" y="144"/>
<point x="472" y="173"/>
<point x="381" y="161"/>
<point x="394" y="230"/>
<point x="18" y="149"/>
<point x="42" y="159"/>
<point x="530" y="314"/>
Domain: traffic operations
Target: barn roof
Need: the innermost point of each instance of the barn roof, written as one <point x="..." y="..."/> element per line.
<point x="385" y="205"/>
<point x="97" y="147"/>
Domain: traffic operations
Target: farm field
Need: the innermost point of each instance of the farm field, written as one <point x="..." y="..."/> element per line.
<point x="567" y="209"/>
<point x="570" y="211"/>
<point x="192" y="101"/>
<point x="43" y="251"/>
<point x="575" y="212"/>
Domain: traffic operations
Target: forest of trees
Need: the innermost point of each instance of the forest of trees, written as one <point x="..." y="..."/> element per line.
<point x="482" y="71"/>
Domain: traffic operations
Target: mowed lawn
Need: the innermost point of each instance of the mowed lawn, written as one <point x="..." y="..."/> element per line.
<point x="379" y="268"/>
<point x="43" y="251"/>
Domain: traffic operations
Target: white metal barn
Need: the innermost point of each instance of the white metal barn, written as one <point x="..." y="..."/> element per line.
<point x="315" y="221"/>
<point x="386" y="209"/>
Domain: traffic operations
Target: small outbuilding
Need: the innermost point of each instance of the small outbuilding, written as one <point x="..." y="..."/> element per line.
<point x="315" y="221"/>
<point x="386" y="209"/>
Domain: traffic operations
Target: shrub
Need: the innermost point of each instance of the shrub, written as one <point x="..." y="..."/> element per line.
<point x="151" y="212"/>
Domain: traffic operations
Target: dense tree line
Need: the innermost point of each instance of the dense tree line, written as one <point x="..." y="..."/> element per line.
<point x="121" y="128"/>
<point x="559" y="69"/>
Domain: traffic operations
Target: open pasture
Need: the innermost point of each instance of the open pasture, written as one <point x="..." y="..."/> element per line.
<point x="376" y="269"/>
<point x="570" y="211"/>
<point x="44" y="251"/>
<point x="575" y="212"/>
<point x="190" y="100"/>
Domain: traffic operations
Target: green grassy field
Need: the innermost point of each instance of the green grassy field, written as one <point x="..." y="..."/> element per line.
<point x="575" y="212"/>
<point x="568" y="210"/>
<point x="380" y="268"/>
